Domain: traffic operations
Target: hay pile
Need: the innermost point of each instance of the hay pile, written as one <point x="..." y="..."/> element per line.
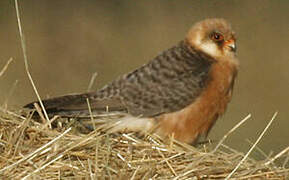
<point x="31" y="150"/>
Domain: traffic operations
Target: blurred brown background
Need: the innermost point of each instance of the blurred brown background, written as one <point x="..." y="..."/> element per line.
<point x="67" y="41"/>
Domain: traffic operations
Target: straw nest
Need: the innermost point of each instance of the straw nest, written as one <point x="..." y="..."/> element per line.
<point x="32" y="150"/>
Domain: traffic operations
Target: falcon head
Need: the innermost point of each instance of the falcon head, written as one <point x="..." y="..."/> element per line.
<point x="214" y="37"/>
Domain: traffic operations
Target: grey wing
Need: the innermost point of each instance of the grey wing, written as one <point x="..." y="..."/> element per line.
<point x="170" y="82"/>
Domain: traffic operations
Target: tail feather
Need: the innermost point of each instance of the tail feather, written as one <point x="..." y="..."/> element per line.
<point x="77" y="105"/>
<point x="60" y="101"/>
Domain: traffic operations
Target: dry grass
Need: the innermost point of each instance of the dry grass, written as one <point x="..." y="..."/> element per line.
<point x="32" y="150"/>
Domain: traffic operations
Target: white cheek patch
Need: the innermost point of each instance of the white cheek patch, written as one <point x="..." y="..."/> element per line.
<point x="210" y="48"/>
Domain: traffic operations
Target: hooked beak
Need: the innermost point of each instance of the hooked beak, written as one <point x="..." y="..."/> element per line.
<point x="231" y="45"/>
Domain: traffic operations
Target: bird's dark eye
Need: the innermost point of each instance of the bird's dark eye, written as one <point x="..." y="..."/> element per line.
<point x="217" y="37"/>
